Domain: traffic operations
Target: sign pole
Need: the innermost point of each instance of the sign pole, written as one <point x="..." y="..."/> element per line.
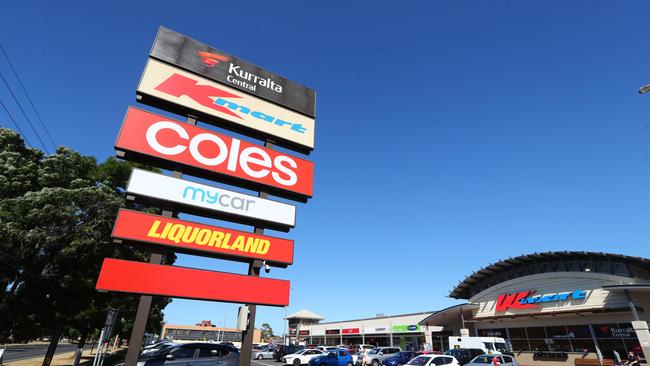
<point x="142" y="315"/>
<point x="253" y="270"/>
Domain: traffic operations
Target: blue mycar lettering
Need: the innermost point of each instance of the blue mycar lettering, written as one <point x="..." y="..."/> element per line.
<point x="213" y="197"/>
<point x="563" y="296"/>
<point x="259" y="115"/>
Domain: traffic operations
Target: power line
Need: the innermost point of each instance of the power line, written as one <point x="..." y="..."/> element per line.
<point x="24" y="114"/>
<point x="28" y="97"/>
<point x="15" y="124"/>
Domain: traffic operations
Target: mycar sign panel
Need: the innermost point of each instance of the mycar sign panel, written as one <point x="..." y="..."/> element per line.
<point x="160" y="280"/>
<point x="201" y="198"/>
<point x="167" y="143"/>
<point x="189" y="54"/>
<point x="182" y="92"/>
<point x="200" y="239"/>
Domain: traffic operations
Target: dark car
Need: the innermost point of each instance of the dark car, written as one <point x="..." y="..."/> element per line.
<point x="464" y="355"/>
<point x="195" y="354"/>
<point x="285" y="350"/>
<point x="337" y="357"/>
<point x="400" y="358"/>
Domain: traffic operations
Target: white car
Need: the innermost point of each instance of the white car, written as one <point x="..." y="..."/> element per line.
<point x="326" y="349"/>
<point x="301" y="357"/>
<point x="504" y="360"/>
<point x="434" y="360"/>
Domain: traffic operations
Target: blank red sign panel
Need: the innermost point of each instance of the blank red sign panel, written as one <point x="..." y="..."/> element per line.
<point x="160" y="280"/>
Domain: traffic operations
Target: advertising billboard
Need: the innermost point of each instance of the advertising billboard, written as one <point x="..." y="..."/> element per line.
<point x="185" y="93"/>
<point x="189" y="54"/>
<point x="160" y="280"/>
<point x="406" y="328"/>
<point x="201" y="239"/>
<point x="167" y="143"/>
<point x="204" y="199"/>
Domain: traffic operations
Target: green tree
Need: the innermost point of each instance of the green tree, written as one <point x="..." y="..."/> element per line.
<point x="56" y="216"/>
<point x="267" y="332"/>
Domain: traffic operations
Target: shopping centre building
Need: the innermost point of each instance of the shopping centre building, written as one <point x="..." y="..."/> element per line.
<point x="553" y="308"/>
<point x="204" y="331"/>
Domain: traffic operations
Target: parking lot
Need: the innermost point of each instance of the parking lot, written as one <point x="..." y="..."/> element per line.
<point x="266" y="362"/>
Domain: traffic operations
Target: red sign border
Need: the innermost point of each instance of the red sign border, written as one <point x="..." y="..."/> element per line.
<point x="198" y="252"/>
<point x="274" y="292"/>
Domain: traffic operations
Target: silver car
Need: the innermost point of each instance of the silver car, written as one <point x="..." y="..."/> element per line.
<point x="378" y="354"/>
<point x="482" y="360"/>
<point x="263" y="352"/>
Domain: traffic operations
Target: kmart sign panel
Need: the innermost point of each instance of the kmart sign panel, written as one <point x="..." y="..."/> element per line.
<point x="179" y="91"/>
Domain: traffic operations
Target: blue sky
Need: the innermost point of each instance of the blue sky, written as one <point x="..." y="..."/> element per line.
<point x="450" y="134"/>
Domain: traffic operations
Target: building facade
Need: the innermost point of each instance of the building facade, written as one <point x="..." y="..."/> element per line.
<point x="556" y="307"/>
<point x="205" y="333"/>
<point x="401" y="330"/>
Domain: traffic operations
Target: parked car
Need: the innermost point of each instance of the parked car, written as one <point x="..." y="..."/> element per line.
<point x="504" y="360"/>
<point x="196" y="354"/>
<point x="433" y="360"/>
<point x="378" y="354"/>
<point x="301" y="357"/>
<point x="400" y="358"/>
<point x="264" y="352"/>
<point x="464" y="355"/>
<point x="326" y="348"/>
<point x="158" y="346"/>
<point x="338" y="357"/>
<point x="285" y="350"/>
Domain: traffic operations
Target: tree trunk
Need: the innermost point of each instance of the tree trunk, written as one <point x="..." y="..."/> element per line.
<point x="54" y="341"/>
<point x="80" y="348"/>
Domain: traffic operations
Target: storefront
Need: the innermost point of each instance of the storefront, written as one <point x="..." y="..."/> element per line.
<point x="397" y="330"/>
<point x="556" y="307"/>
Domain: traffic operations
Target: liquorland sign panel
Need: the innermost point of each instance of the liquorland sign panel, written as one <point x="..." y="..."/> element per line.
<point x="160" y="280"/>
<point x="182" y="92"/>
<point x="201" y="239"/>
<point x="215" y="201"/>
<point x="207" y="154"/>
<point x="189" y="54"/>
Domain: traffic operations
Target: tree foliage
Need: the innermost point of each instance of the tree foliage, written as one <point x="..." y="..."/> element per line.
<point x="56" y="216"/>
<point x="267" y="332"/>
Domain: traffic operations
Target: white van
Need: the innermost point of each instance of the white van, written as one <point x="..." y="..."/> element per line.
<point x="489" y="345"/>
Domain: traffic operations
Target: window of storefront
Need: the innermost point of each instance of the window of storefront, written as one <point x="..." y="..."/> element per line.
<point x="572" y="338"/>
<point x="617" y="339"/>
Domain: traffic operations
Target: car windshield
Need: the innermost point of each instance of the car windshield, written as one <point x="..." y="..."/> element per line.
<point x="452" y="352"/>
<point x="483" y="359"/>
<point x="373" y="351"/>
<point x="501" y="347"/>
<point x="419" y="361"/>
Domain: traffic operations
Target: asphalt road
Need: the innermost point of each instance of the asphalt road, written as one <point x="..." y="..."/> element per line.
<point x="265" y="362"/>
<point x="23" y="351"/>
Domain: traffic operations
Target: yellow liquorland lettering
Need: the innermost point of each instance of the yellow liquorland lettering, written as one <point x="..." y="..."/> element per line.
<point x="251" y="245"/>
<point x="176" y="233"/>
<point x="190" y="234"/>
<point x="203" y="236"/>
<point x="152" y="230"/>
<point x="263" y="246"/>
<point x="215" y="239"/>
<point x="238" y="244"/>
<point x="225" y="244"/>
<point x="165" y="231"/>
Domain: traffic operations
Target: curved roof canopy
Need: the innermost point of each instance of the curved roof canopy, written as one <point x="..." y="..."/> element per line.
<point x="529" y="264"/>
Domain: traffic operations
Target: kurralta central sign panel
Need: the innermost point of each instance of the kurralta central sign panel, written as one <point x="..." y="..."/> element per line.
<point x="153" y="279"/>
<point x="213" y="154"/>
<point x="192" y="55"/>
<point x="195" y="196"/>
<point x="201" y="239"/>
<point x="186" y="93"/>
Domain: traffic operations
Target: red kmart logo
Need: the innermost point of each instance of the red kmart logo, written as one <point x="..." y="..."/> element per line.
<point x="513" y="301"/>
